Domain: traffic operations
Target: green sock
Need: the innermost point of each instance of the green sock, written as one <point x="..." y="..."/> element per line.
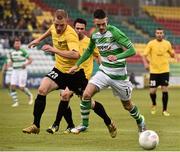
<point x="85" y="111"/>
<point x="136" y="115"/>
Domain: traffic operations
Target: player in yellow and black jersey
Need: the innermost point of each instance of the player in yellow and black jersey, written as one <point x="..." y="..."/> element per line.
<point x="156" y="60"/>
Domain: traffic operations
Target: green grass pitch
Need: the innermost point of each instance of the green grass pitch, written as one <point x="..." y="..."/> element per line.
<point x="97" y="138"/>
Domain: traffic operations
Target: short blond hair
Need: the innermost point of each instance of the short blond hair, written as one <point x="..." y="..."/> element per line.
<point x="60" y="14"/>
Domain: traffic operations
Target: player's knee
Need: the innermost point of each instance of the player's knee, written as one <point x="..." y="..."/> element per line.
<point x="164" y="89"/>
<point x="65" y="96"/>
<point x="127" y="106"/>
<point x="13" y="87"/>
<point x="21" y="88"/>
<point x="42" y="91"/>
<point x="86" y="96"/>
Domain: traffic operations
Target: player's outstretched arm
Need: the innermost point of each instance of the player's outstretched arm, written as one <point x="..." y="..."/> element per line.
<point x="127" y="53"/>
<point x="39" y="39"/>
<point x="73" y="54"/>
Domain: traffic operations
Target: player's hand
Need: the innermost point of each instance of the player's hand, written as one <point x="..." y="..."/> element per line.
<point x="24" y="66"/>
<point x="112" y="58"/>
<point x="177" y="58"/>
<point x="47" y="48"/>
<point x="73" y="69"/>
<point x="146" y="66"/>
<point x="33" y="43"/>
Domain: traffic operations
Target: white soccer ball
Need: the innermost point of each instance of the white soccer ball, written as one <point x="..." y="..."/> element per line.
<point x="148" y="139"/>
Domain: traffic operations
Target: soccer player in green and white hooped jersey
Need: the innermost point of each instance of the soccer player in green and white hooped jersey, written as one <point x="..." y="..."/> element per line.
<point x="114" y="47"/>
<point x="19" y="60"/>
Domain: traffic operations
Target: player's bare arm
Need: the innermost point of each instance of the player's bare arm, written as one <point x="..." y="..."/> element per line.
<point x="73" y="54"/>
<point x="97" y="59"/>
<point x="146" y="63"/>
<point x="29" y="61"/>
<point x="172" y="55"/>
<point x="9" y="64"/>
<point x="39" y="39"/>
<point x="73" y="69"/>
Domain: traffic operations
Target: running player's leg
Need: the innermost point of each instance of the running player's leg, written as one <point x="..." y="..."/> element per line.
<point x="66" y="96"/>
<point x="63" y="110"/>
<point x="95" y="84"/>
<point x="153" y="83"/>
<point x="46" y="86"/>
<point x="101" y="112"/>
<point x="164" y="87"/>
<point x="69" y="83"/>
<point x="13" y="93"/>
<point x="22" y="85"/>
<point x="8" y="81"/>
<point x="134" y="112"/>
<point x="123" y="89"/>
<point x="85" y="105"/>
<point x="78" y="86"/>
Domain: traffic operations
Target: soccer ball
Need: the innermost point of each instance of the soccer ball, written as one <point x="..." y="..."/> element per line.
<point x="148" y="139"/>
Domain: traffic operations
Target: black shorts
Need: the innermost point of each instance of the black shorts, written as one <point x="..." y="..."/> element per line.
<point x="76" y="82"/>
<point x="159" y="80"/>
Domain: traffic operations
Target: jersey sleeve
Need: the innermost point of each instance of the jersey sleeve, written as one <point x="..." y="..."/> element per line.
<point x="96" y="52"/>
<point x="120" y="37"/>
<point x="87" y="52"/>
<point x="25" y="53"/>
<point x="123" y="41"/>
<point x="147" y="49"/>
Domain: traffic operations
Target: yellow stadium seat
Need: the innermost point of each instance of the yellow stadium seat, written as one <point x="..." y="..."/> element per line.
<point x="163" y="12"/>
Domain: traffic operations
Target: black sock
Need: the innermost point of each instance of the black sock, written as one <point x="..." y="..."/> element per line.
<point x="39" y="106"/>
<point x="153" y="98"/>
<point x="165" y="100"/>
<point x="68" y="118"/>
<point x="100" y="111"/>
<point x="62" y="108"/>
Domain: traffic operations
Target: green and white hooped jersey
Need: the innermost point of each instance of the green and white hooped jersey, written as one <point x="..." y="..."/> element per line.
<point x="18" y="58"/>
<point x="9" y="70"/>
<point x="111" y="43"/>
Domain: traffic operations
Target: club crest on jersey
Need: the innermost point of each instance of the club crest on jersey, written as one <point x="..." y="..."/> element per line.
<point x="61" y="43"/>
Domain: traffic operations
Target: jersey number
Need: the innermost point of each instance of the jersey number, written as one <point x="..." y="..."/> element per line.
<point x="53" y="74"/>
<point x="127" y="91"/>
<point x="152" y="83"/>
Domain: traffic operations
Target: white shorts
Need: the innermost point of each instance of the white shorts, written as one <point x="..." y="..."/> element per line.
<point x="7" y="79"/>
<point x="121" y="88"/>
<point x="19" y="77"/>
